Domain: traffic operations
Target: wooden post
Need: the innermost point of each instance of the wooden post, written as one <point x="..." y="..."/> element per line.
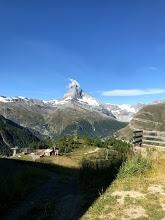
<point x="14" y="151"/>
<point x="137" y="138"/>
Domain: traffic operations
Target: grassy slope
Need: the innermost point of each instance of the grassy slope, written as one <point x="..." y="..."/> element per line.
<point x="71" y="160"/>
<point x="149" y="206"/>
<point x="28" y="176"/>
<point x="151" y="117"/>
<point x="87" y="191"/>
<point x="126" y="133"/>
<point x="155" y="113"/>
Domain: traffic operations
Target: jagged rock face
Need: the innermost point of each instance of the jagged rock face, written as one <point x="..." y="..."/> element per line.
<point x="75" y="92"/>
<point x="76" y="113"/>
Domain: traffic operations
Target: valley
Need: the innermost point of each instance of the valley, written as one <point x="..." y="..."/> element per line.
<point x="97" y="168"/>
<point x="82" y="110"/>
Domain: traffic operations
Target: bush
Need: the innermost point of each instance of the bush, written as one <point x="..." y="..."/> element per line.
<point x="67" y="144"/>
<point x="137" y="165"/>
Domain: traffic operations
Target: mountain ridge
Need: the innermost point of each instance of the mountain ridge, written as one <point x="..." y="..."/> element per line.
<point x="76" y="111"/>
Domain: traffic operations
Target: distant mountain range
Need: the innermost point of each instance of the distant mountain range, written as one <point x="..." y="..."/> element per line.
<point x="77" y="113"/>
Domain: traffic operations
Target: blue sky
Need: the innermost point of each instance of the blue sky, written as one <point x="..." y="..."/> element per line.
<point x="106" y="45"/>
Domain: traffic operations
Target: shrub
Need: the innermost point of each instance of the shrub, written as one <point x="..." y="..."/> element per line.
<point x="67" y="144"/>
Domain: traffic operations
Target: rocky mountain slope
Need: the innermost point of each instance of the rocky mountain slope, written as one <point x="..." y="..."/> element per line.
<point x="12" y="134"/>
<point x="125" y="112"/>
<point x="76" y="113"/>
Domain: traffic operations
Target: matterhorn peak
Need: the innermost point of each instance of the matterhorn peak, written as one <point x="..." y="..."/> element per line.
<point x="75" y="91"/>
<point x="73" y="83"/>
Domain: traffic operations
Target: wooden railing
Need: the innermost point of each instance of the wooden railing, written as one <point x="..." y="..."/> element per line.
<point x="155" y="138"/>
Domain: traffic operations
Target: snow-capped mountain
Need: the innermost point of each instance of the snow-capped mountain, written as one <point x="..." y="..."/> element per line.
<point x="76" y="95"/>
<point x="11" y="99"/>
<point x="77" y="113"/>
<point x="75" y="92"/>
<point x="19" y="99"/>
<point x="124" y="112"/>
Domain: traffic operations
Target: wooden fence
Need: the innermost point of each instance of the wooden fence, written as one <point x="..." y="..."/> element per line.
<point x="155" y="138"/>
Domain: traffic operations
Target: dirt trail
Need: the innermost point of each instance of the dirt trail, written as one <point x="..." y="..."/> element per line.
<point x="66" y="197"/>
<point x="92" y="152"/>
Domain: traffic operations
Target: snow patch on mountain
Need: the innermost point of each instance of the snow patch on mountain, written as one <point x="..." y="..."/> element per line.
<point x="75" y="93"/>
<point x="11" y="99"/>
<point x="124" y="112"/>
<point x="5" y="99"/>
<point x="128" y="108"/>
<point x="73" y="83"/>
<point x="87" y="99"/>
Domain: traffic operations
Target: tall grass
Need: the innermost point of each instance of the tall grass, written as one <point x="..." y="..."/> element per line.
<point x="135" y="165"/>
<point x="97" y="174"/>
<point x="100" y="172"/>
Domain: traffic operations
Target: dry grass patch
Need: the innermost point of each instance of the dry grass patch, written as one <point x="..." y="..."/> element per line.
<point x="134" y="197"/>
<point x="134" y="212"/>
<point x="121" y="195"/>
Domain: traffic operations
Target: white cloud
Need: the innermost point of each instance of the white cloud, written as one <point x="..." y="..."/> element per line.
<point x="133" y="92"/>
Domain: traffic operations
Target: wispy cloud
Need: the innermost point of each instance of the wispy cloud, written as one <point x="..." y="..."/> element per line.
<point x="133" y="92"/>
<point x="153" y="68"/>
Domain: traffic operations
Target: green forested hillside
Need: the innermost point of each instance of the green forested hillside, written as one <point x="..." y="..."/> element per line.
<point x="78" y="121"/>
<point x="12" y="135"/>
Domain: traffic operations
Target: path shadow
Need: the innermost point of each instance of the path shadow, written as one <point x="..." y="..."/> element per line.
<point x="76" y="190"/>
